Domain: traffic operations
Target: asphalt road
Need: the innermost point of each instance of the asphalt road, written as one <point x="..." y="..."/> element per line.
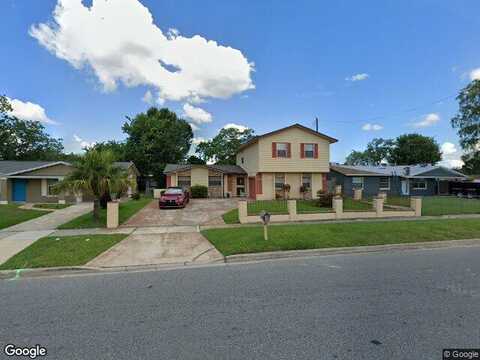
<point x="403" y="305"/>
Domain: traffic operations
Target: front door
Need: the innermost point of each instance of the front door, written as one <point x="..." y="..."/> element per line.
<point x="19" y="190"/>
<point x="405" y="187"/>
<point x="251" y="188"/>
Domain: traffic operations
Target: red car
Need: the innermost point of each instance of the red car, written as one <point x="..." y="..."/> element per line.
<point x="174" y="197"/>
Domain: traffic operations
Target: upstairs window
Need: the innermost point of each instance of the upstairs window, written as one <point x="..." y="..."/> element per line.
<point x="309" y="151"/>
<point x="282" y="150"/>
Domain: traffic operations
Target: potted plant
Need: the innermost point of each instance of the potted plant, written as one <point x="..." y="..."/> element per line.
<point x="286" y="190"/>
<point x="305" y="191"/>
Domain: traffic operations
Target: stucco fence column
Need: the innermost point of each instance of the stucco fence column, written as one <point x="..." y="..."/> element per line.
<point x="242" y="211"/>
<point x="112" y="215"/>
<point x="292" y="209"/>
<point x="337" y="204"/>
<point x="357" y="194"/>
<point x="416" y="205"/>
<point x="378" y="206"/>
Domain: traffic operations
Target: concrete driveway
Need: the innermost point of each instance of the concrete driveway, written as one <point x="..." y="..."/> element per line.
<point x="197" y="212"/>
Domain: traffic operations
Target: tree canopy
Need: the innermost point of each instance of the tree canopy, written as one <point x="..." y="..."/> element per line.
<point x="155" y="138"/>
<point x="25" y="140"/>
<point x="222" y="149"/>
<point x="408" y="149"/>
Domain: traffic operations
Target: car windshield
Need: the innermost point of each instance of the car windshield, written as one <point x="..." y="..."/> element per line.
<point x="173" y="192"/>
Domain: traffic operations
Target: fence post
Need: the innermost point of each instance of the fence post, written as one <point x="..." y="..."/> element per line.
<point x="378" y="206"/>
<point x="338" y="190"/>
<point x="112" y="215"/>
<point x="242" y="211"/>
<point x="292" y="209"/>
<point x="337" y="204"/>
<point x="416" y="205"/>
<point x="357" y="194"/>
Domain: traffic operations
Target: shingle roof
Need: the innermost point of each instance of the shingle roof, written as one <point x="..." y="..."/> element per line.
<point x="390" y="170"/>
<point x="11" y="167"/>
<point x="227" y="169"/>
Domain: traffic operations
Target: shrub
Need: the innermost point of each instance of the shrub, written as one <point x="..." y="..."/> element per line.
<point x="136" y="196"/>
<point x="324" y="199"/>
<point x="199" y="191"/>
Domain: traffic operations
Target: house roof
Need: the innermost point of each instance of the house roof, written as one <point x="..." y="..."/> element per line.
<point x="18" y="167"/>
<point x="298" y="126"/>
<point x="398" y="170"/>
<point x="226" y="169"/>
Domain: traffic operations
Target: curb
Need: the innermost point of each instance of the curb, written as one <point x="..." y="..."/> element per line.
<point x="273" y="255"/>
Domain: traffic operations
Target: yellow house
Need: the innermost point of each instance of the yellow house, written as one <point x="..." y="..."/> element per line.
<point x="292" y="161"/>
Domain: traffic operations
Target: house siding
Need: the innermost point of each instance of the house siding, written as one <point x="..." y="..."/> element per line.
<point x="56" y="170"/>
<point x="250" y="159"/>
<point x="199" y="176"/>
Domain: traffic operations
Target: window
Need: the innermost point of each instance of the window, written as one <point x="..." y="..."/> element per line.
<point x="183" y="181"/>
<point x="279" y="181"/>
<point x="357" y="182"/>
<point x="282" y="150"/>
<point x="384" y="183"/>
<point x="50" y="184"/>
<point x="419" y="184"/>
<point x="243" y="160"/>
<point x="309" y="151"/>
<point x="214" y="181"/>
<point x="240" y="181"/>
<point x="307" y="181"/>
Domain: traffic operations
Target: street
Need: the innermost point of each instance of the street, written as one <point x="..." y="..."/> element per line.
<point x="396" y="305"/>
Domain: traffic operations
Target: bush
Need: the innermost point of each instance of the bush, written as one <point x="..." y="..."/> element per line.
<point x="324" y="199"/>
<point x="199" y="191"/>
<point x="136" y="196"/>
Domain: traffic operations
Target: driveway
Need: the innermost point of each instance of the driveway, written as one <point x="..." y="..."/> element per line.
<point x="197" y="212"/>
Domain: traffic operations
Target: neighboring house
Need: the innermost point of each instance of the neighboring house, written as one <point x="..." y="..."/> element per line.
<point x="294" y="155"/>
<point x="31" y="181"/>
<point x="415" y="180"/>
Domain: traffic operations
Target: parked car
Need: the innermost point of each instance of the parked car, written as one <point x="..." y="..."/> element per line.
<point x="174" y="197"/>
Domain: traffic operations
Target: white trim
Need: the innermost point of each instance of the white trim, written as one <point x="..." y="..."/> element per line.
<point x="44" y="187"/>
<point x="37" y="177"/>
<point x="421" y="188"/>
<point x="40" y="167"/>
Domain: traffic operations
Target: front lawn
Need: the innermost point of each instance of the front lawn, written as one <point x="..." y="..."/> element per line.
<point x="274" y="207"/>
<point x="126" y="211"/>
<point x="356" y="205"/>
<point x="449" y="205"/>
<point x="243" y="240"/>
<point x="311" y="206"/>
<point x="11" y="214"/>
<point x="62" y="251"/>
<point x="51" y="206"/>
<point x="231" y="217"/>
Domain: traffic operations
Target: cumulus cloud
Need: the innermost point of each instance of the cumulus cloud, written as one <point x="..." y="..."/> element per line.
<point x="83" y="144"/>
<point x="451" y="156"/>
<point x="194" y="127"/>
<point x="236" y="126"/>
<point x="121" y="43"/>
<point x="198" y="140"/>
<point x="428" y="120"/>
<point x="448" y="148"/>
<point x="196" y="114"/>
<point x="29" y="111"/>
<point x="372" y="127"/>
<point x="475" y="74"/>
<point x="358" y="77"/>
<point x="148" y="97"/>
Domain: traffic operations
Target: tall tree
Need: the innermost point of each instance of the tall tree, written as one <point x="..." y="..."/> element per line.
<point x="156" y="138"/>
<point x="357" y="158"/>
<point x="222" y="149"/>
<point x="195" y="160"/>
<point x="118" y="148"/>
<point x="412" y="149"/>
<point x="471" y="163"/>
<point x="378" y="150"/>
<point x="467" y="120"/>
<point x="25" y="140"/>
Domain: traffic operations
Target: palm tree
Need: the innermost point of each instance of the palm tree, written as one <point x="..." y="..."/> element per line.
<point x="95" y="173"/>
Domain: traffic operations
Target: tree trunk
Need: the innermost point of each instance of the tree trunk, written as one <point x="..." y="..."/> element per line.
<point x="104" y="199"/>
<point x="96" y="209"/>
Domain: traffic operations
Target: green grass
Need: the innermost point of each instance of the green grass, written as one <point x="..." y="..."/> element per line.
<point x="449" y="205"/>
<point x="51" y="206"/>
<point x="398" y="201"/>
<point x="11" y="215"/>
<point x="243" y="240"/>
<point x="62" y="251"/>
<point x="356" y="205"/>
<point x="274" y="207"/>
<point x="310" y="206"/>
<point x="231" y="217"/>
<point x="126" y="211"/>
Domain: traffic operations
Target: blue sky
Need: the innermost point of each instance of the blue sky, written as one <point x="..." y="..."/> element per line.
<point x="365" y="69"/>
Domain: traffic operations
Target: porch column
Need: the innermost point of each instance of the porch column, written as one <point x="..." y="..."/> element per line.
<point x="3" y="192"/>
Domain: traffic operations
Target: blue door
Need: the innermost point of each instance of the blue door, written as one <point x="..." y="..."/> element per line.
<point x="19" y="190"/>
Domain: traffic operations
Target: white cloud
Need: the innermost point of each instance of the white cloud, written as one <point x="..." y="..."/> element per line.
<point x="29" y="111"/>
<point x="240" y="128"/>
<point x="448" y="148"/>
<point x="358" y="77"/>
<point x="452" y="163"/>
<point x="148" y="97"/>
<point x="475" y="74"/>
<point x="372" y="127"/>
<point x="83" y="144"/>
<point x="121" y="43"/>
<point x="428" y="120"/>
<point x="196" y="114"/>
<point x="194" y="127"/>
<point x="198" y="140"/>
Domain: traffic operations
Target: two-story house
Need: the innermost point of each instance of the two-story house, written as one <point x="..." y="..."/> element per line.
<point x="294" y="155"/>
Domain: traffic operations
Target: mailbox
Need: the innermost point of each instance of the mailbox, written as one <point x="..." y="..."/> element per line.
<point x="265" y="216"/>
